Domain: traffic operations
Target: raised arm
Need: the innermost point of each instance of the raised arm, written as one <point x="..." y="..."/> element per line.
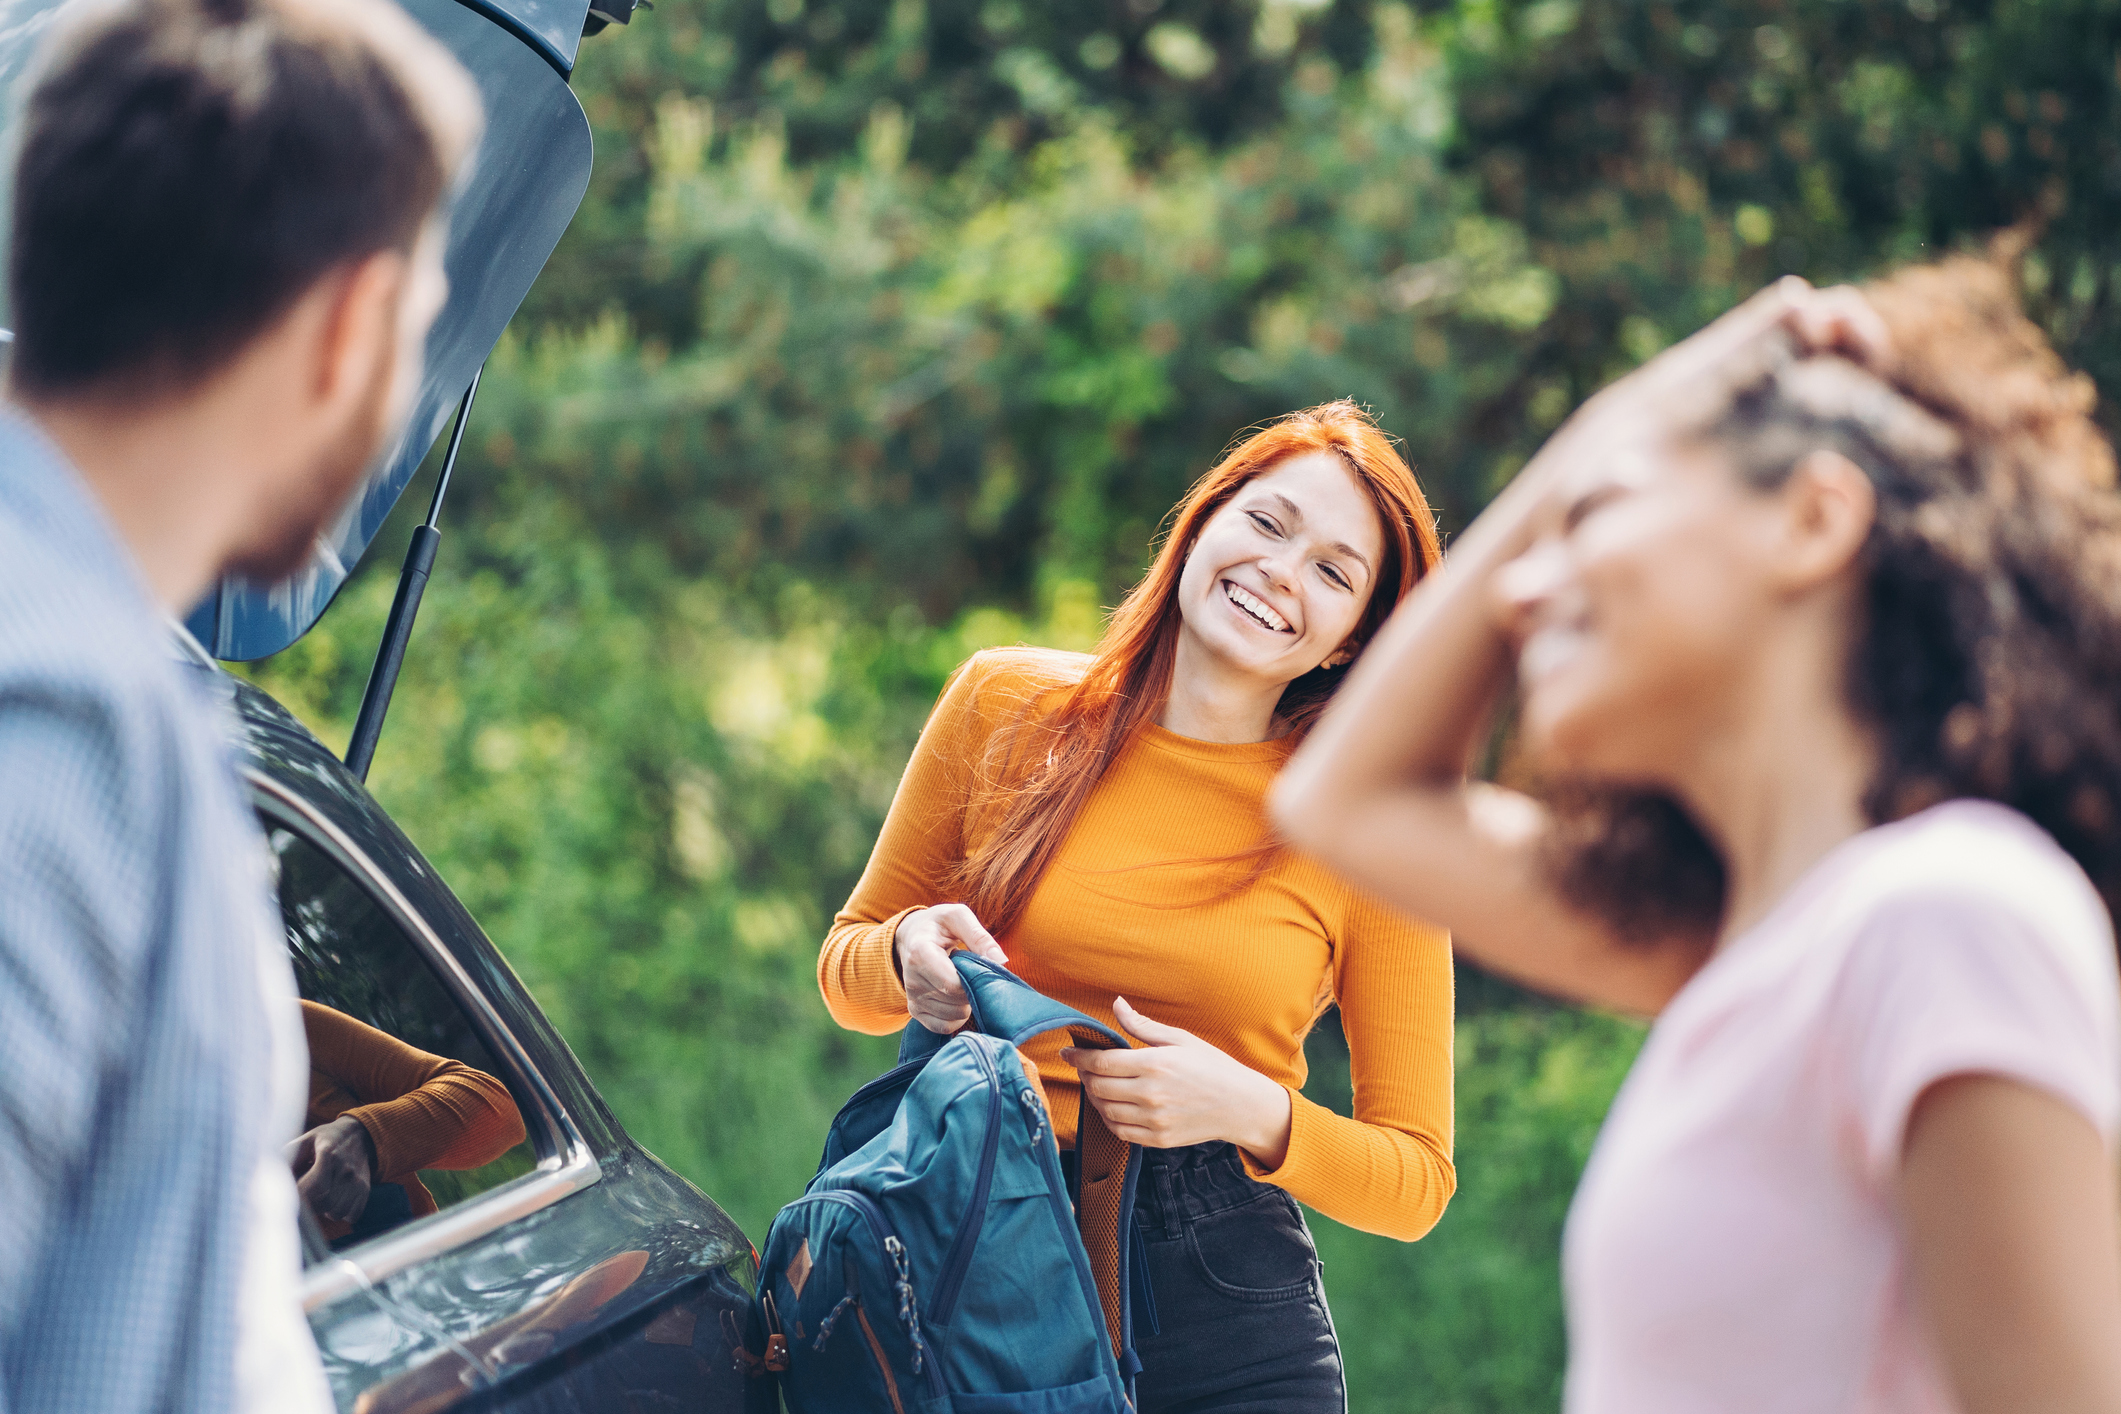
<point x="1379" y="791"/>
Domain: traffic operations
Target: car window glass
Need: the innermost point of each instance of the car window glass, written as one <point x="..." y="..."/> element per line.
<point x="408" y="1112"/>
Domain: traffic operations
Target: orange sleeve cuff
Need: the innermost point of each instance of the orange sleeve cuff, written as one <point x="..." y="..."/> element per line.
<point x="857" y="970"/>
<point x="1372" y="1178"/>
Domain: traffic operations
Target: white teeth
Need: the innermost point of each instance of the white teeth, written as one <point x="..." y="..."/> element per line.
<point x="1546" y="650"/>
<point x="1258" y="608"/>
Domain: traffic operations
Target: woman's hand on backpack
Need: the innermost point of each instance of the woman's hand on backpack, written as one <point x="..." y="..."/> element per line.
<point x="1177" y="1089"/>
<point x="935" y="995"/>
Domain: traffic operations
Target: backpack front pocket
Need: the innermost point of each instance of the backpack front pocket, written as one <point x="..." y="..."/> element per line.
<point x="855" y="1337"/>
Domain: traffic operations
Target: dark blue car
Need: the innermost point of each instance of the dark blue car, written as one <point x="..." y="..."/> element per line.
<point x="572" y="1272"/>
<point x="525" y="1254"/>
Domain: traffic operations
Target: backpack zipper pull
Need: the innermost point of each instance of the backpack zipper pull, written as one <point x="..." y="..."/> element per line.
<point x="1038" y="1113"/>
<point x="824" y="1327"/>
<point x="909" y="1310"/>
<point x="776" y="1359"/>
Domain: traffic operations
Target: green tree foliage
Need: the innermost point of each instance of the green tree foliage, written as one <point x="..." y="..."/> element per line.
<point x="1469" y="1318"/>
<point x="1666" y="160"/>
<point x="890" y="331"/>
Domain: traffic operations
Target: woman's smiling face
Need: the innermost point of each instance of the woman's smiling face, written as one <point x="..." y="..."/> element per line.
<point x="1636" y="613"/>
<point x="1281" y="574"/>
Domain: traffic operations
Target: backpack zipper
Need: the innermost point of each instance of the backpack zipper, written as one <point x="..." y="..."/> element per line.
<point x="895" y="1254"/>
<point x="889" y="1077"/>
<point x="883" y="1365"/>
<point x="894" y="1076"/>
<point x="1064" y="1217"/>
<point x="952" y="1279"/>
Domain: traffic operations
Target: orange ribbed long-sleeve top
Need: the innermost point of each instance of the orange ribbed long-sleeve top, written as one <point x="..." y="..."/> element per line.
<point x="1142" y="902"/>
<point x="421" y="1111"/>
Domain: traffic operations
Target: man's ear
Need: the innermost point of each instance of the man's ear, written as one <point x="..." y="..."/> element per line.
<point x="358" y="329"/>
<point x="1830" y="505"/>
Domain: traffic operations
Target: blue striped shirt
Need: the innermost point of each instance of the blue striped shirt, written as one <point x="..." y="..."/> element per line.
<point x="143" y="1064"/>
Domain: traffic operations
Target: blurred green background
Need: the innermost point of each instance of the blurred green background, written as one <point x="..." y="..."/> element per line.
<point x="890" y="330"/>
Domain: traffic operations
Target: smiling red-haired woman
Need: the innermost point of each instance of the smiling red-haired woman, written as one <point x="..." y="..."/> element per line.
<point x="1101" y="820"/>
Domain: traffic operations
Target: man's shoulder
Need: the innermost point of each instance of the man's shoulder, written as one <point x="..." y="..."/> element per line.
<point x="73" y="604"/>
<point x="90" y="690"/>
<point x="70" y="627"/>
<point x="120" y="823"/>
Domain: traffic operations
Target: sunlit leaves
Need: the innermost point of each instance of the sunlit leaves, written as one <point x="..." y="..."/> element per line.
<point x="890" y="331"/>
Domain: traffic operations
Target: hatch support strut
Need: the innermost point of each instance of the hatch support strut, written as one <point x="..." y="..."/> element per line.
<point x="412" y="583"/>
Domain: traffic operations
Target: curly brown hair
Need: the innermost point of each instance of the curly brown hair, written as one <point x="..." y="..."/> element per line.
<point x="1988" y="662"/>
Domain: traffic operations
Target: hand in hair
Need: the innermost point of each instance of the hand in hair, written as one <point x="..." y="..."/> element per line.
<point x="1177" y="1089"/>
<point x="922" y="947"/>
<point x="1690" y="384"/>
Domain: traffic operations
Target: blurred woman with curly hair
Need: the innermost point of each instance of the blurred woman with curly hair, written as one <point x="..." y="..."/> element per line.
<point x="1814" y="630"/>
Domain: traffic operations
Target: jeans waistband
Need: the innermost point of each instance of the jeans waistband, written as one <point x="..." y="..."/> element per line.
<point x="1182" y="1185"/>
<point x="1178" y="1186"/>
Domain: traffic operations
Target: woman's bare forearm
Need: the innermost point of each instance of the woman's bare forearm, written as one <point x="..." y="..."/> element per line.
<point x="1379" y="790"/>
<point x="1414" y="706"/>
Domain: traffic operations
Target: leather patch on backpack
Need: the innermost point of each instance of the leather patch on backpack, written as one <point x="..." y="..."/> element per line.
<point x="799" y="1267"/>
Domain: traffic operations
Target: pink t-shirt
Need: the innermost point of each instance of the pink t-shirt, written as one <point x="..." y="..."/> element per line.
<point x="1733" y="1248"/>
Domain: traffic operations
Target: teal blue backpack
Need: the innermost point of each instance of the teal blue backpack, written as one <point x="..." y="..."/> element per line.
<point x="936" y="1263"/>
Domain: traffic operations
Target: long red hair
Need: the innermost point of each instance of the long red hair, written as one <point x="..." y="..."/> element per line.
<point x="1039" y="771"/>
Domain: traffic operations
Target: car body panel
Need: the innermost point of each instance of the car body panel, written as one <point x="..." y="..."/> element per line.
<point x="566" y="1164"/>
<point x="621" y="1291"/>
<point x="274" y="744"/>
<point x="552" y="27"/>
<point x="524" y="186"/>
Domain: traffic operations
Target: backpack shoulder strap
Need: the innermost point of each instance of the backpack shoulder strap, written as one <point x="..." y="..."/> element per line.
<point x="1010" y="1009"/>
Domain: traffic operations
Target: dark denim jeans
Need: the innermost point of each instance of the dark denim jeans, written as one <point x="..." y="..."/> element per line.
<point x="1240" y="1305"/>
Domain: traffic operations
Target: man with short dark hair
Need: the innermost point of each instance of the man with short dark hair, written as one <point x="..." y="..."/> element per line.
<point x="225" y="255"/>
